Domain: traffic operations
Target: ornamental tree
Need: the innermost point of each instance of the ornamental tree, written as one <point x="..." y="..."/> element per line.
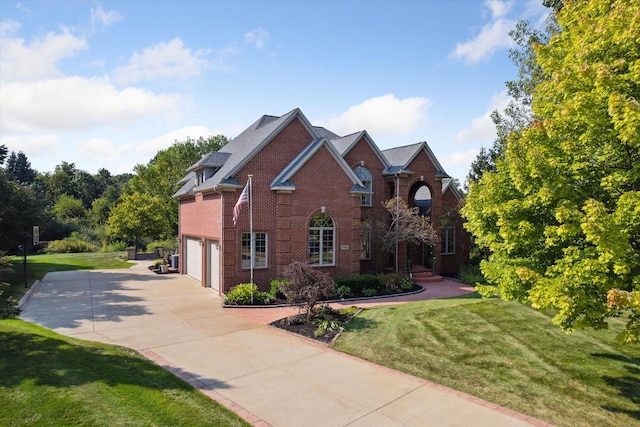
<point x="405" y="225"/>
<point x="560" y="215"/>
<point x="139" y="216"/>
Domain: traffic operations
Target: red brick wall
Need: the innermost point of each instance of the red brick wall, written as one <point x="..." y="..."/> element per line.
<point x="451" y="263"/>
<point x="200" y="217"/>
<point x="423" y="167"/>
<point x="363" y="151"/>
<point x="285" y="216"/>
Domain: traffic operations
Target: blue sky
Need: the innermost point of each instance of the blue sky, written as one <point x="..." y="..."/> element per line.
<point x="108" y="84"/>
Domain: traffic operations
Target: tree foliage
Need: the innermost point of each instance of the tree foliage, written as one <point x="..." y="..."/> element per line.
<point x="19" y="168"/>
<point x="306" y="285"/>
<point x="138" y="216"/>
<point x="561" y="212"/>
<point x="161" y="175"/>
<point x="405" y="225"/>
<point x="518" y="114"/>
<point x="8" y="304"/>
<point x="20" y="210"/>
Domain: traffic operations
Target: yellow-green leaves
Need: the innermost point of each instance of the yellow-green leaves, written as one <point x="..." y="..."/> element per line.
<point x="561" y="214"/>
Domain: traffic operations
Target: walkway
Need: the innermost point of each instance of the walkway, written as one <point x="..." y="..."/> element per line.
<point x="435" y="290"/>
<point x="264" y="374"/>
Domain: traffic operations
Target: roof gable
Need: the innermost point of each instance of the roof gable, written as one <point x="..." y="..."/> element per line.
<point x="401" y="157"/>
<point x="282" y="181"/>
<point x="247" y="144"/>
<point x="346" y="144"/>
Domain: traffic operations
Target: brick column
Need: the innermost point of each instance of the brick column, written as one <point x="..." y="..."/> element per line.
<point x="282" y="246"/>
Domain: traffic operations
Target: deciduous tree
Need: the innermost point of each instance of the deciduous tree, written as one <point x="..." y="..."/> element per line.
<point x="561" y="213"/>
<point x="138" y="216"/>
<point x="405" y="224"/>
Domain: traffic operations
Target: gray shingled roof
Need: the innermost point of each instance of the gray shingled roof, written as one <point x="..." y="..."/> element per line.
<point x="401" y="156"/>
<point x="214" y="159"/>
<point x="237" y="152"/>
<point x="282" y="181"/>
<point x="320" y="131"/>
<point x="342" y="144"/>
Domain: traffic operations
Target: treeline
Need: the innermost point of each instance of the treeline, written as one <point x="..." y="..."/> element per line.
<point x="97" y="211"/>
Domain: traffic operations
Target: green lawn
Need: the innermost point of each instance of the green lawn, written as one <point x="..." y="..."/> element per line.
<point x="41" y="264"/>
<point x="49" y="379"/>
<point x="508" y="354"/>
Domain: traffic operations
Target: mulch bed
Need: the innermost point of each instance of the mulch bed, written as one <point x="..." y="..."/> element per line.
<point x="298" y="324"/>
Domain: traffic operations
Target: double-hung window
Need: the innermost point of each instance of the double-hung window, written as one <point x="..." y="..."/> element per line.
<point x="259" y="255"/>
<point x="321" y="240"/>
<point x="448" y="240"/>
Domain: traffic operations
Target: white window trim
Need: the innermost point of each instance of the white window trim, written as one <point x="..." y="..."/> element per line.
<point x="321" y="245"/>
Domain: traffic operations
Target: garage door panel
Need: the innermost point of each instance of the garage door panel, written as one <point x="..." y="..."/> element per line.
<point x="194" y="258"/>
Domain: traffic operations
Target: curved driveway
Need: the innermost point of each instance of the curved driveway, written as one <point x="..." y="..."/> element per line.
<point x="266" y="375"/>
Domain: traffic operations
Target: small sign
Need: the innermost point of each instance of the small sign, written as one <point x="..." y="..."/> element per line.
<point x="36" y="235"/>
<point x="344" y="247"/>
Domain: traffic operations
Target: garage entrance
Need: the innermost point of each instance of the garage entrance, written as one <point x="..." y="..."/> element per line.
<point x="193" y="261"/>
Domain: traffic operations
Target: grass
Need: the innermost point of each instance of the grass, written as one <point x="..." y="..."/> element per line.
<point x="40" y="264"/>
<point x="49" y="379"/>
<point x="506" y="353"/>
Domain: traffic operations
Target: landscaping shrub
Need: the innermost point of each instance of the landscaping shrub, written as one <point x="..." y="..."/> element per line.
<point x="274" y="288"/>
<point x="8" y="305"/>
<point x="367" y="292"/>
<point x="394" y="283"/>
<point x="248" y="294"/>
<point x="118" y="246"/>
<point x="359" y="282"/>
<point x="306" y="285"/>
<point x="471" y="275"/>
<point x="169" y="245"/>
<point x="343" y="291"/>
<point x="325" y="321"/>
<point x="70" y="245"/>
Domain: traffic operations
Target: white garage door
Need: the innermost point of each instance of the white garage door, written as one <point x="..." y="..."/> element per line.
<point x="194" y="258"/>
<point x="213" y="258"/>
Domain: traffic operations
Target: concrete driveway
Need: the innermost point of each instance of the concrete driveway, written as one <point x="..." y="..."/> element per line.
<point x="266" y="375"/>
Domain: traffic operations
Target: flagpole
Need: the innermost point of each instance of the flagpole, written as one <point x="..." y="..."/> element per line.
<point x="252" y="238"/>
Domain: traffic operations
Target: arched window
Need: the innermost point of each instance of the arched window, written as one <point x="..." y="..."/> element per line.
<point x="366" y="178"/>
<point x="321" y="240"/>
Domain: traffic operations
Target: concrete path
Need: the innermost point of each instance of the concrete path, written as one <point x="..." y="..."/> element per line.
<point x="266" y="375"/>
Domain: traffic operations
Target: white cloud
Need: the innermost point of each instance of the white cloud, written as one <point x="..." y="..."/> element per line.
<point x="34" y="146"/>
<point x="72" y="103"/>
<point x="460" y="158"/>
<point x="99" y="150"/>
<point x="163" y="61"/>
<point x="100" y="18"/>
<point x="482" y="127"/>
<point x="493" y="36"/>
<point x="257" y="37"/>
<point x="381" y="116"/>
<point x="151" y="146"/>
<point x="37" y="60"/>
<point x="498" y="8"/>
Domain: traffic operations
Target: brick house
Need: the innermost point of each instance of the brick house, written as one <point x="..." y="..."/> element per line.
<point x="311" y="189"/>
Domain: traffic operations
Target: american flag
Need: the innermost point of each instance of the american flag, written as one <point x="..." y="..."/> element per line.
<point x="244" y="199"/>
